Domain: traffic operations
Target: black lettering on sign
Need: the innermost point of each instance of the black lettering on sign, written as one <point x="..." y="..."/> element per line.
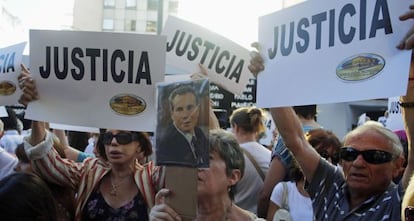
<point x="394" y="108"/>
<point x="7" y="62"/>
<point x="294" y="35"/>
<point x="210" y="55"/>
<point x="59" y="64"/>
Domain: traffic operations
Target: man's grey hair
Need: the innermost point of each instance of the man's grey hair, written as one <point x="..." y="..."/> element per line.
<point x="378" y="128"/>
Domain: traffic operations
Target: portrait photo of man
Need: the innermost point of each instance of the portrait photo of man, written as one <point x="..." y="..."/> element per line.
<point x="180" y="138"/>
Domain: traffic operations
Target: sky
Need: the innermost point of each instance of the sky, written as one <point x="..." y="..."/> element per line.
<point x="42" y="14"/>
<point x="234" y="19"/>
<point x="38" y="14"/>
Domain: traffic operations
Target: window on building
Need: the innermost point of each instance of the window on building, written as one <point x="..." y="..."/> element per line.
<point x="173" y="6"/>
<point x="131" y="4"/>
<point x="151" y="26"/>
<point x="152" y="5"/>
<point x="108" y="24"/>
<point x="130" y="25"/>
<point x="109" y="3"/>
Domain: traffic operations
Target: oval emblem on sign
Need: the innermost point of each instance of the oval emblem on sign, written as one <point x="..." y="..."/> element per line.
<point x="127" y="104"/>
<point x="360" y="67"/>
<point x="7" y="88"/>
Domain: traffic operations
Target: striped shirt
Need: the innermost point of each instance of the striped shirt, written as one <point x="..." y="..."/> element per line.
<point x="85" y="176"/>
<point x="328" y="191"/>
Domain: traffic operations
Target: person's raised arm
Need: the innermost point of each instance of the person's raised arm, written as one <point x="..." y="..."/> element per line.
<point x="38" y="132"/>
<point x="28" y="86"/>
<point x="70" y="152"/>
<point x="408" y="116"/>
<point x="213" y="122"/>
<point x="290" y="128"/>
<point x="407" y="43"/>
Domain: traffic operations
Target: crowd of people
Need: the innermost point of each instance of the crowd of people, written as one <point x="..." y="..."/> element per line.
<point x="46" y="174"/>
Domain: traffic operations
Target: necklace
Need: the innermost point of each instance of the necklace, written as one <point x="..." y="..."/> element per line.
<point x="228" y="211"/>
<point x="115" y="186"/>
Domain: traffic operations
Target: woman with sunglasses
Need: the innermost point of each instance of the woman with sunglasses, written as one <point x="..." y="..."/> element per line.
<point x="114" y="186"/>
<point x="326" y="143"/>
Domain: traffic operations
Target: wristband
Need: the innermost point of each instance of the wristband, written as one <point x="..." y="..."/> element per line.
<point x="406" y="104"/>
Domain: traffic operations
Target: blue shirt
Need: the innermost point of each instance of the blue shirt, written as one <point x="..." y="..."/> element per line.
<point x="282" y="152"/>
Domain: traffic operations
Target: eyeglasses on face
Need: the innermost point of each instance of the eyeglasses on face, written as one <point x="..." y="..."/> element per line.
<point x="409" y="213"/>
<point x="334" y="157"/>
<point x="370" y="156"/>
<point x="121" y="138"/>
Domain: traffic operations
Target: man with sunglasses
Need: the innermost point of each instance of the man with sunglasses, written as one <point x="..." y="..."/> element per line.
<point x="183" y="142"/>
<point x="371" y="158"/>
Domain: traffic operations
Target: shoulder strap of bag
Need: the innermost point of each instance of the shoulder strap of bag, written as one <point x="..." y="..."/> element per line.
<point x="285" y="203"/>
<point x="251" y="158"/>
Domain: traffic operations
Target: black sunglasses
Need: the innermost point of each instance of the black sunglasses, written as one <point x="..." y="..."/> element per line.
<point x="121" y="137"/>
<point x="409" y="213"/>
<point x="334" y="158"/>
<point x="371" y="156"/>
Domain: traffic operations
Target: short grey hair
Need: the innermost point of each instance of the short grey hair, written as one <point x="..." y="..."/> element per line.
<point x="225" y="144"/>
<point x="378" y="128"/>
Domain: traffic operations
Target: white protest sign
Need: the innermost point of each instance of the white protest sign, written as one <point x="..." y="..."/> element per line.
<point x="189" y="45"/>
<point x="10" y="60"/>
<point x="269" y="128"/>
<point x="96" y="79"/>
<point x="3" y="111"/>
<point x="362" y="119"/>
<point x="74" y="128"/>
<point x="395" y="120"/>
<point x="333" y="51"/>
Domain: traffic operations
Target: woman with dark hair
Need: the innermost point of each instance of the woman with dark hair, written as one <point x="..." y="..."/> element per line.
<point x="298" y="200"/>
<point x="281" y="157"/>
<point x="216" y="185"/>
<point x="113" y="186"/>
<point x="26" y="197"/>
<point x="326" y="143"/>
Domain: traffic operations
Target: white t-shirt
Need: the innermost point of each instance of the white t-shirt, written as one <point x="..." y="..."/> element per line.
<point x="261" y="154"/>
<point x="251" y="183"/>
<point x="300" y="207"/>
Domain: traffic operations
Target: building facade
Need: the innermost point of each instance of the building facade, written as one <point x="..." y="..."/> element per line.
<point x="140" y="16"/>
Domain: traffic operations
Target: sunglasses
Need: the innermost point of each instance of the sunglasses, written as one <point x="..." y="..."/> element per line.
<point x="409" y="213"/>
<point x="371" y="156"/>
<point x="334" y="158"/>
<point x="121" y="138"/>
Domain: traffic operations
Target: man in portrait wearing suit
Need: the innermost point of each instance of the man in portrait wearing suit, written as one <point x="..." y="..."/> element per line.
<point x="183" y="142"/>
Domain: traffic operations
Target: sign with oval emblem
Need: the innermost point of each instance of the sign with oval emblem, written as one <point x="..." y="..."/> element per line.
<point x="127" y="104"/>
<point x="360" y="67"/>
<point x="7" y="88"/>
